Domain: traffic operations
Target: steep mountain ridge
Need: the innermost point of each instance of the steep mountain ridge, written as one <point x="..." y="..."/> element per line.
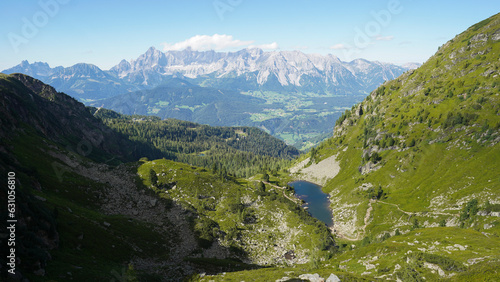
<point x="432" y="134"/>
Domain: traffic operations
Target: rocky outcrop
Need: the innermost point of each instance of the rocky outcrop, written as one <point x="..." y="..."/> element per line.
<point x="368" y="167"/>
<point x="312" y="278"/>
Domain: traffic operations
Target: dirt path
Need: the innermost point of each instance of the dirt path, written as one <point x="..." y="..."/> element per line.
<point x="367" y="216"/>
<point x="397" y="206"/>
<point x="295" y="200"/>
<point x="417" y="213"/>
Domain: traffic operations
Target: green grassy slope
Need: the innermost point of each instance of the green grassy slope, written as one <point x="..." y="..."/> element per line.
<point x="428" y="139"/>
<point x="427" y="254"/>
<point x="434" y="254"/>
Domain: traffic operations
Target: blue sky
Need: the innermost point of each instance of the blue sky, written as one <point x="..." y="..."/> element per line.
<point x="66" y="32"/>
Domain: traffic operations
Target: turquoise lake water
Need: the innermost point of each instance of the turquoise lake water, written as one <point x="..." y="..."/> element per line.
<point x="317" y="202"/>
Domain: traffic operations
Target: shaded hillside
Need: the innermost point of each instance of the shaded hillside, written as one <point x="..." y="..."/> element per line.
<point x="44" y="136"/>
<point x="30" y="106"/>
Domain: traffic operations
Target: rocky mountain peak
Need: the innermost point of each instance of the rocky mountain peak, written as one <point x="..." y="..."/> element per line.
<point x="122" y="67"/>
<point x="289" y="67"/>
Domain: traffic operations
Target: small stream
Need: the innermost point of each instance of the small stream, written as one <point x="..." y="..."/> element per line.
<point x="317" y="202"/>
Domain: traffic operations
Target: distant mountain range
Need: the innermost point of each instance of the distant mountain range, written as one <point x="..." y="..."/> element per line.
<point x="244" y="70"/>
<point x="82" y="81"/>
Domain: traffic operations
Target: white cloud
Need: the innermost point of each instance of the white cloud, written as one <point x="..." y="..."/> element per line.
<point x="340" y="46"/>
<point x="270" y="46"/>
<point x="214" y="42"/>
<point x="384" y="38"/>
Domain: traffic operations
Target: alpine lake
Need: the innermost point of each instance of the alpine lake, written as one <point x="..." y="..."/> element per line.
<point x="317" y="202"/>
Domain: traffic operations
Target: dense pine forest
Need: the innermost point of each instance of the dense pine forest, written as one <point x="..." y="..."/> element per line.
<point x="227" y="151"/>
